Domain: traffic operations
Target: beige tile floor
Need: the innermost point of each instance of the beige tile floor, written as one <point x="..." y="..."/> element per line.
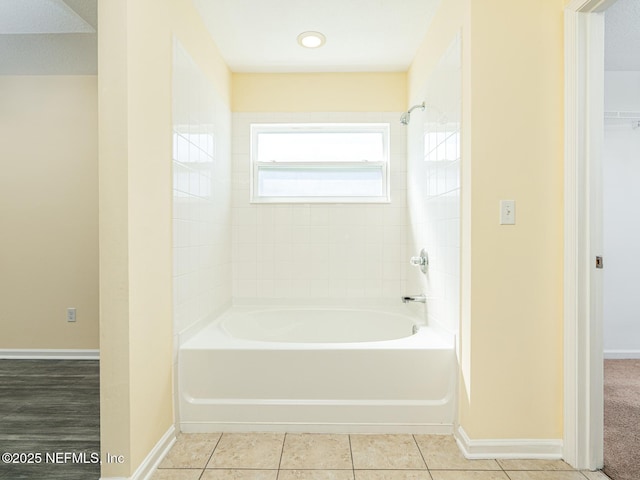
<point x="307" y="456"/>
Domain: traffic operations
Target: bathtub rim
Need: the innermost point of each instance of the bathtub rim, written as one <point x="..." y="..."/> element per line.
<point x="427" y="336"/>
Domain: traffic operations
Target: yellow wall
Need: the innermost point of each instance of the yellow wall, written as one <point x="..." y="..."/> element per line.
<point x="319" y="92"/>
<point x="135" y="65"/>
<point x="517" y="153"/>
<point x="511" y="330"/>
<point x="49" y="209"/>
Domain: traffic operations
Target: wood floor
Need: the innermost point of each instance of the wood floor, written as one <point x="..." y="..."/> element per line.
<point x="51" y="408"/>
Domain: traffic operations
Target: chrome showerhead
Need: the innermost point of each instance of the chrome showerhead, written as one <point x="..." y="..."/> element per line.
<point x="405" y="118"/>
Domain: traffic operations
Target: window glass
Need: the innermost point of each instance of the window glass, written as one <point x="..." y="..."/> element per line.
<point x="320" y="162"/>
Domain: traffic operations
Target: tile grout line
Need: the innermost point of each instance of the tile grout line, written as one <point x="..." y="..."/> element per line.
<point x="353" y="466"/>
<point x="204" y="469"/>
<point x="421" y="455"/>
<point x="284" y="440"/>
<point x="502" y="468"/>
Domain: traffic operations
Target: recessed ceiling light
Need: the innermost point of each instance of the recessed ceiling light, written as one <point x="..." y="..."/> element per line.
<point x="311" y="39"/>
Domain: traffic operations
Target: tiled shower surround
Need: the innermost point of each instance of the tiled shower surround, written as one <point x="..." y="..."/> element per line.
<point x="318" y="251"/>
<point x="201" y="195"/>
<point x="434" y="190"/>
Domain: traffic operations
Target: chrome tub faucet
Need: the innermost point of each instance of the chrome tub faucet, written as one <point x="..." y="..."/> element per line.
<point x="414" y="298"/>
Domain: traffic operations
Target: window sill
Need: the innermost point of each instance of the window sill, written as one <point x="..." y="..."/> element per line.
<point x="310" y="200"/>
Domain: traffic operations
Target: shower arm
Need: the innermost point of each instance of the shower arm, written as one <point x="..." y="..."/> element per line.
<point x="422" y="106"/>
<point x="406" y="116"/>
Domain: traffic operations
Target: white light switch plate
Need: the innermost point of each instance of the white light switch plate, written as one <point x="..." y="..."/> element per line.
<point x="507" y="212"/>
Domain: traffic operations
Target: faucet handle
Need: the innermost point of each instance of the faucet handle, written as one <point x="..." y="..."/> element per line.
<point x="422" y="261"/>
<point x="417" y="261"/>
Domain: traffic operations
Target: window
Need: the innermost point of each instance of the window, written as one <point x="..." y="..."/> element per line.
<point x="320" y="162"/>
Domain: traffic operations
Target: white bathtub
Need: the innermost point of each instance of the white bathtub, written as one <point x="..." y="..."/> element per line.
<point x="317" y="370"/>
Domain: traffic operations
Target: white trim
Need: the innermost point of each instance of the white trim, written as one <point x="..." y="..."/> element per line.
<point x="589" y="6"/>
<point x="546" y="449"/>
<point x="622" y="354"/>
<point x="583" y="387"/>
<point x="571" y="238"/>
<point x="48" y="354"/>
<point x="152" y="460"/>
<point x="150" y="463"/>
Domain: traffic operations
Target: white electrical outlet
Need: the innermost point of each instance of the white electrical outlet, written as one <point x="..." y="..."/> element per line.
<point x="71" y="314"/>
<point x="507" y="212"/>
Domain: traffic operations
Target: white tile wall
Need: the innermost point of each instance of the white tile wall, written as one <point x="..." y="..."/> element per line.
<point x="318" y="251"/>
<point x="433" y="178"/>
<point x="201" y="195"/>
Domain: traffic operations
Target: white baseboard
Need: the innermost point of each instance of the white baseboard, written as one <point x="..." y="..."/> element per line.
<point x="550" y="449"/>
<point x="155" y="456"/>
<point x="48" y="354"/>
<point x="622" y="354"/>
<point x="152" y="460"/>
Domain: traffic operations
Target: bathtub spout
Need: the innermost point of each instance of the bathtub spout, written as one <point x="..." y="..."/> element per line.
<point x="414" y="298"/>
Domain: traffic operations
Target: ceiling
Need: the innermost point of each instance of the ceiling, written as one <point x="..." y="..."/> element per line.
<point x="48" y="37"/>
<point x="362" y="35"/>
<point x="622" y="36"/>
<point x="59" y="36"/>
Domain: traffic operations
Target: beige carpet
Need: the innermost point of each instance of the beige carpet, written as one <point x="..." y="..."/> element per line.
<point x="622" y="419"/>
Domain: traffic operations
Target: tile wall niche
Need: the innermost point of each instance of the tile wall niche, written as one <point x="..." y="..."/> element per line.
<point x="201" y="195"/>
<point x="433" y="190"/>
<point x="318" y="251"/>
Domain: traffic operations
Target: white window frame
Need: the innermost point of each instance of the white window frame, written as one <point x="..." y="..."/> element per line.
<point x="383" y="165"/>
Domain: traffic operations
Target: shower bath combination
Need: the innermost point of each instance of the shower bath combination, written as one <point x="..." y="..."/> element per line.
<point x="317" y="369"/>
<point x="406" y="116"/>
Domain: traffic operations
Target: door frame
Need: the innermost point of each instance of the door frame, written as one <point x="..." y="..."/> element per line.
<point x="584" y="131"/>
